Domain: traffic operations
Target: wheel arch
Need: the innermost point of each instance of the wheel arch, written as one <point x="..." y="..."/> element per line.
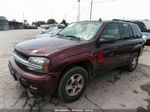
<point x="138" y="49"/>
<point x="86" y="64"/>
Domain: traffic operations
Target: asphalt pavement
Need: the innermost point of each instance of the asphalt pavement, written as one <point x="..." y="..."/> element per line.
<point x="118" y="89"/>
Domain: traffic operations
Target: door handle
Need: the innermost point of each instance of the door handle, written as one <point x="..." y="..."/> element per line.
<point x="115" y="48"/>
<point x="111" y="54"/>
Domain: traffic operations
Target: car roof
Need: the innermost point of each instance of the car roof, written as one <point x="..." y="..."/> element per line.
<point x="109" y="21"/>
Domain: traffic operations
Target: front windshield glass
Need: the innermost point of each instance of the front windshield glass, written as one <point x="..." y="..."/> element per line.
<point x="84" y="30"/>
<point x="54" y="28"/>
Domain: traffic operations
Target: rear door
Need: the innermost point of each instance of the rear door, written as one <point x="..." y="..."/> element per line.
<point x="125" y="44"/>
<point x="138" y="41"/>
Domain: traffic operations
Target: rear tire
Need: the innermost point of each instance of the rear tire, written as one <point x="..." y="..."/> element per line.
<point x="73" y="84"/>
<point x="133" y="62"/>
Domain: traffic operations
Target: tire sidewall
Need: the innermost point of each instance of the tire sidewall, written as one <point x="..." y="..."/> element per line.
<point x="130" y="64"/>
<point x="62" y="85"/>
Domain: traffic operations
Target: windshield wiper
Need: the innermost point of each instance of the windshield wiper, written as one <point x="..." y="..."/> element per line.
<point x="78" y="38"/>
<point x="59" y="34"/>
<point x="72" y="36"/>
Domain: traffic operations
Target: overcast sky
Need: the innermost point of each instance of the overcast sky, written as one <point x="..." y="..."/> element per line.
<point x="35" y="10"/>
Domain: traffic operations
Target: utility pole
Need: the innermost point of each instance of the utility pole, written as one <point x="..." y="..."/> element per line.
<point x="52" y="14"/>
<point x="78" y="19"/>
<point x="66" y="17"/>
<point x="23" y="17"/>
<point x="91" y="9"/>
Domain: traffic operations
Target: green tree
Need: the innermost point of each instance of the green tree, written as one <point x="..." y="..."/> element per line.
<point x="14" y="20"/>
<point x="25" y="24"/>
<point x="3" y="18"/>
<point x="38" y="23"/>
<point x="51" y="21"/>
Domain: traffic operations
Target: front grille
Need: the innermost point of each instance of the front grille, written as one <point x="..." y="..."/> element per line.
<point x="21" y="65"/>
<point x="20" y="54"/>
<point x="23" y="57"/>
<point x="22" y="61"/>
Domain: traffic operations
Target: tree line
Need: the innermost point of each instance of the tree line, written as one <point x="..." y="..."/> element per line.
<point x="38" y="23"/>
<point x="49" y="21"/>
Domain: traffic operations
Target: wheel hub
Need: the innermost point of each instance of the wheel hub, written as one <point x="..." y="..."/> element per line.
<point x="74" y="84"/>
<point x="134" y="62"/>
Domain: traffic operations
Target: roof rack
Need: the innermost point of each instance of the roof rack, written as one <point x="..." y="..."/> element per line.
<point x="121" y="20"/>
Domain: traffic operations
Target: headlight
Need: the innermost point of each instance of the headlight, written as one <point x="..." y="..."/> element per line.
<point x="39" y="64"/>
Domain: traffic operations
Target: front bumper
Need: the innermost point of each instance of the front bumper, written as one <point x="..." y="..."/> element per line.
<point x="41" y="83"/>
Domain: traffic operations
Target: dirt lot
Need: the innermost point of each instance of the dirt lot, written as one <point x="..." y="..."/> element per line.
<point x="118" y="89"/>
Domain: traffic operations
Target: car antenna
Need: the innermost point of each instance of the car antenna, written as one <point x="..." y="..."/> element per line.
<point x="100" y="19"/>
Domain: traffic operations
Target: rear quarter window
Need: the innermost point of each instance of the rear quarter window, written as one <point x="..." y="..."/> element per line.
<point x="136" y="31"/>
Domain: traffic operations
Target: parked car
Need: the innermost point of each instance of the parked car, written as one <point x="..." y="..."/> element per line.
<point x="146" y="38"/>
<point x="60" y="26"/>
<point x="63" y="65"/>
<point x="45" y="35"/>
<point x="45" y="26"/>
<point x="50" y="33"/>
<point x="143" y="25"/>
<point x="147" y="23"/>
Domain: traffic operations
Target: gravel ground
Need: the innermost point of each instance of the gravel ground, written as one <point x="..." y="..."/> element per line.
<point x="118" y="89"/>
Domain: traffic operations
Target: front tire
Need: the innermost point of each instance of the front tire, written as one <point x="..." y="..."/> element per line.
<point x="133" y="62"/>
<point x="72" y="84"/>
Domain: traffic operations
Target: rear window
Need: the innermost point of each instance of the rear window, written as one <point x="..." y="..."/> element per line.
<point x="136" y="31"/>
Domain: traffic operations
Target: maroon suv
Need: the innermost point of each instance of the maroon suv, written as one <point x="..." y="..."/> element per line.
<point x="64" y="64"/>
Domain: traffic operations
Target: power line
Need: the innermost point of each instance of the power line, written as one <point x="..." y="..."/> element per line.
<point x="86" y="10"/>
<point x="91" y="7"/>
<point x="97" y="3"/>
<point x="105" y="1"/>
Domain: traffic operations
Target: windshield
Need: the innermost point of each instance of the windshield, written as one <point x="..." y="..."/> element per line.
<point x="54" y="28"/>
<point x="83" y="30"/>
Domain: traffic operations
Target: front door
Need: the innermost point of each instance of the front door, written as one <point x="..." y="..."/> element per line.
<point x="106" y="57"/>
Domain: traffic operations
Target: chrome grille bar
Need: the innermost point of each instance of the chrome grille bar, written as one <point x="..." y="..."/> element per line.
<point x="26" y="63"/>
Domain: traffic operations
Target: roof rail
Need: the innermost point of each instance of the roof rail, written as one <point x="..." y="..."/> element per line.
<point x="121" y="20"/>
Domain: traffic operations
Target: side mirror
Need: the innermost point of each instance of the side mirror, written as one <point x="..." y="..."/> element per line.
<point x="107" y="39"/>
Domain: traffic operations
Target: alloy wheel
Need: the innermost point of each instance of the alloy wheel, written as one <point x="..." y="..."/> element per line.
<point x="134" y="61"/>
<point x="74" y="84"/>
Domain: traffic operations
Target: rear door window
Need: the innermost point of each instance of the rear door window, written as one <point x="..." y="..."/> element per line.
<point x="127" y="31"/>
